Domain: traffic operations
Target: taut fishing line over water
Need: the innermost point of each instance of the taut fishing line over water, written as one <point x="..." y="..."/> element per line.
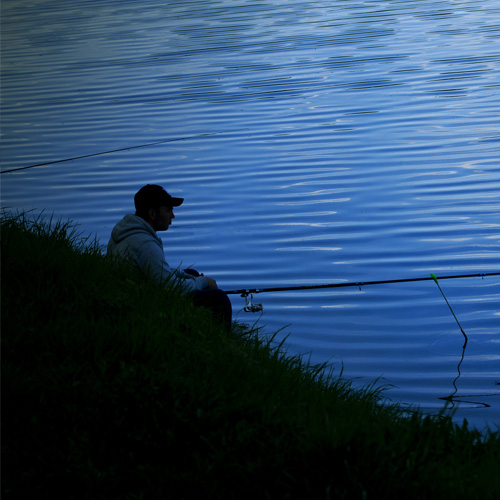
<point x="149" y="144"/>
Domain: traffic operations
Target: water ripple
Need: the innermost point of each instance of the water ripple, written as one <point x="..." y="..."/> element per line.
<point x="315" y="142"/>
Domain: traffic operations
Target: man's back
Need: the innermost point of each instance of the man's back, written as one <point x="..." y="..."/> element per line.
<point x="134" y="239"/>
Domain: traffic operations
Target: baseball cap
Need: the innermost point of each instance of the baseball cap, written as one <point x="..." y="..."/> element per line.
<point x="154" y="196"/>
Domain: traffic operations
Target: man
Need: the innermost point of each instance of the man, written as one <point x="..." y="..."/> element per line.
<point x="135" y="238"/>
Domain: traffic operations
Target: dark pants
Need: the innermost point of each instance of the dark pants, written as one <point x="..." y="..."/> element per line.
<point x="215" y="300"/>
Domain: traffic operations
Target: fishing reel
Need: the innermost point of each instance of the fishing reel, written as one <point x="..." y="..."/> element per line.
<point x="249" y="305"/>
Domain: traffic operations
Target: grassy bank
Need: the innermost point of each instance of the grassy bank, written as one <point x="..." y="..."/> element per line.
<point x="115" y="388"/>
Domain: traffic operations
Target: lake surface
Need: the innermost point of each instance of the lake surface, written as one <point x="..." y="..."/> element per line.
<point x="314" y="142"/>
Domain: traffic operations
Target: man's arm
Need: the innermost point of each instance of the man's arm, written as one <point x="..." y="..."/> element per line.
<point x="151" y="259"/>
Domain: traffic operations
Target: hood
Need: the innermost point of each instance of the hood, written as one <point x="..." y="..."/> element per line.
<point x="132" y="225"/>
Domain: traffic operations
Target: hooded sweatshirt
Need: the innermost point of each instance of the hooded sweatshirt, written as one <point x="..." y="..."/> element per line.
<point x="134" y="239"/>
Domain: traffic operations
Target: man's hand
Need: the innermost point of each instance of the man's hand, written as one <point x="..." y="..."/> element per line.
<point x="212" y="284"/>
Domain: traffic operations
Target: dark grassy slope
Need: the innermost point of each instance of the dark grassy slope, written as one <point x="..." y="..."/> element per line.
<point x="115" y="388"/>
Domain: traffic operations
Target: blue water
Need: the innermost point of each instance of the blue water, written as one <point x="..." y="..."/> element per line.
<point x="314" y="142"/>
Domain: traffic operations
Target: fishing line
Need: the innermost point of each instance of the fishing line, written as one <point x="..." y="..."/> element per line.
<point x="116" y="151"/>
<point x="451" y="309"/>
<point x="452" y="395"/>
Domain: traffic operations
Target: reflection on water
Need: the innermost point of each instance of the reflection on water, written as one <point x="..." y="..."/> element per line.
<point x="314" y="142"/>
<point x="452" y="395"/>
<point x="476" y="400"/>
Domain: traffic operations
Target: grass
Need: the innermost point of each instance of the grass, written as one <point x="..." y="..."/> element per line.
<point x="113" y="387"/>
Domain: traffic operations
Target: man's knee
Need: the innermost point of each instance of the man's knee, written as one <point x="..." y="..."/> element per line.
<point x="214" y="296"/>
<point x="217" y="301"/>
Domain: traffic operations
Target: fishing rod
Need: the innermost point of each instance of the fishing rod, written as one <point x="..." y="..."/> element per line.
<point x="248" y="292"/>
<point x="164" y="141"/>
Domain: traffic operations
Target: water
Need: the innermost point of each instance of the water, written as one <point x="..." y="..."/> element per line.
<point x="314" y="142"/>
